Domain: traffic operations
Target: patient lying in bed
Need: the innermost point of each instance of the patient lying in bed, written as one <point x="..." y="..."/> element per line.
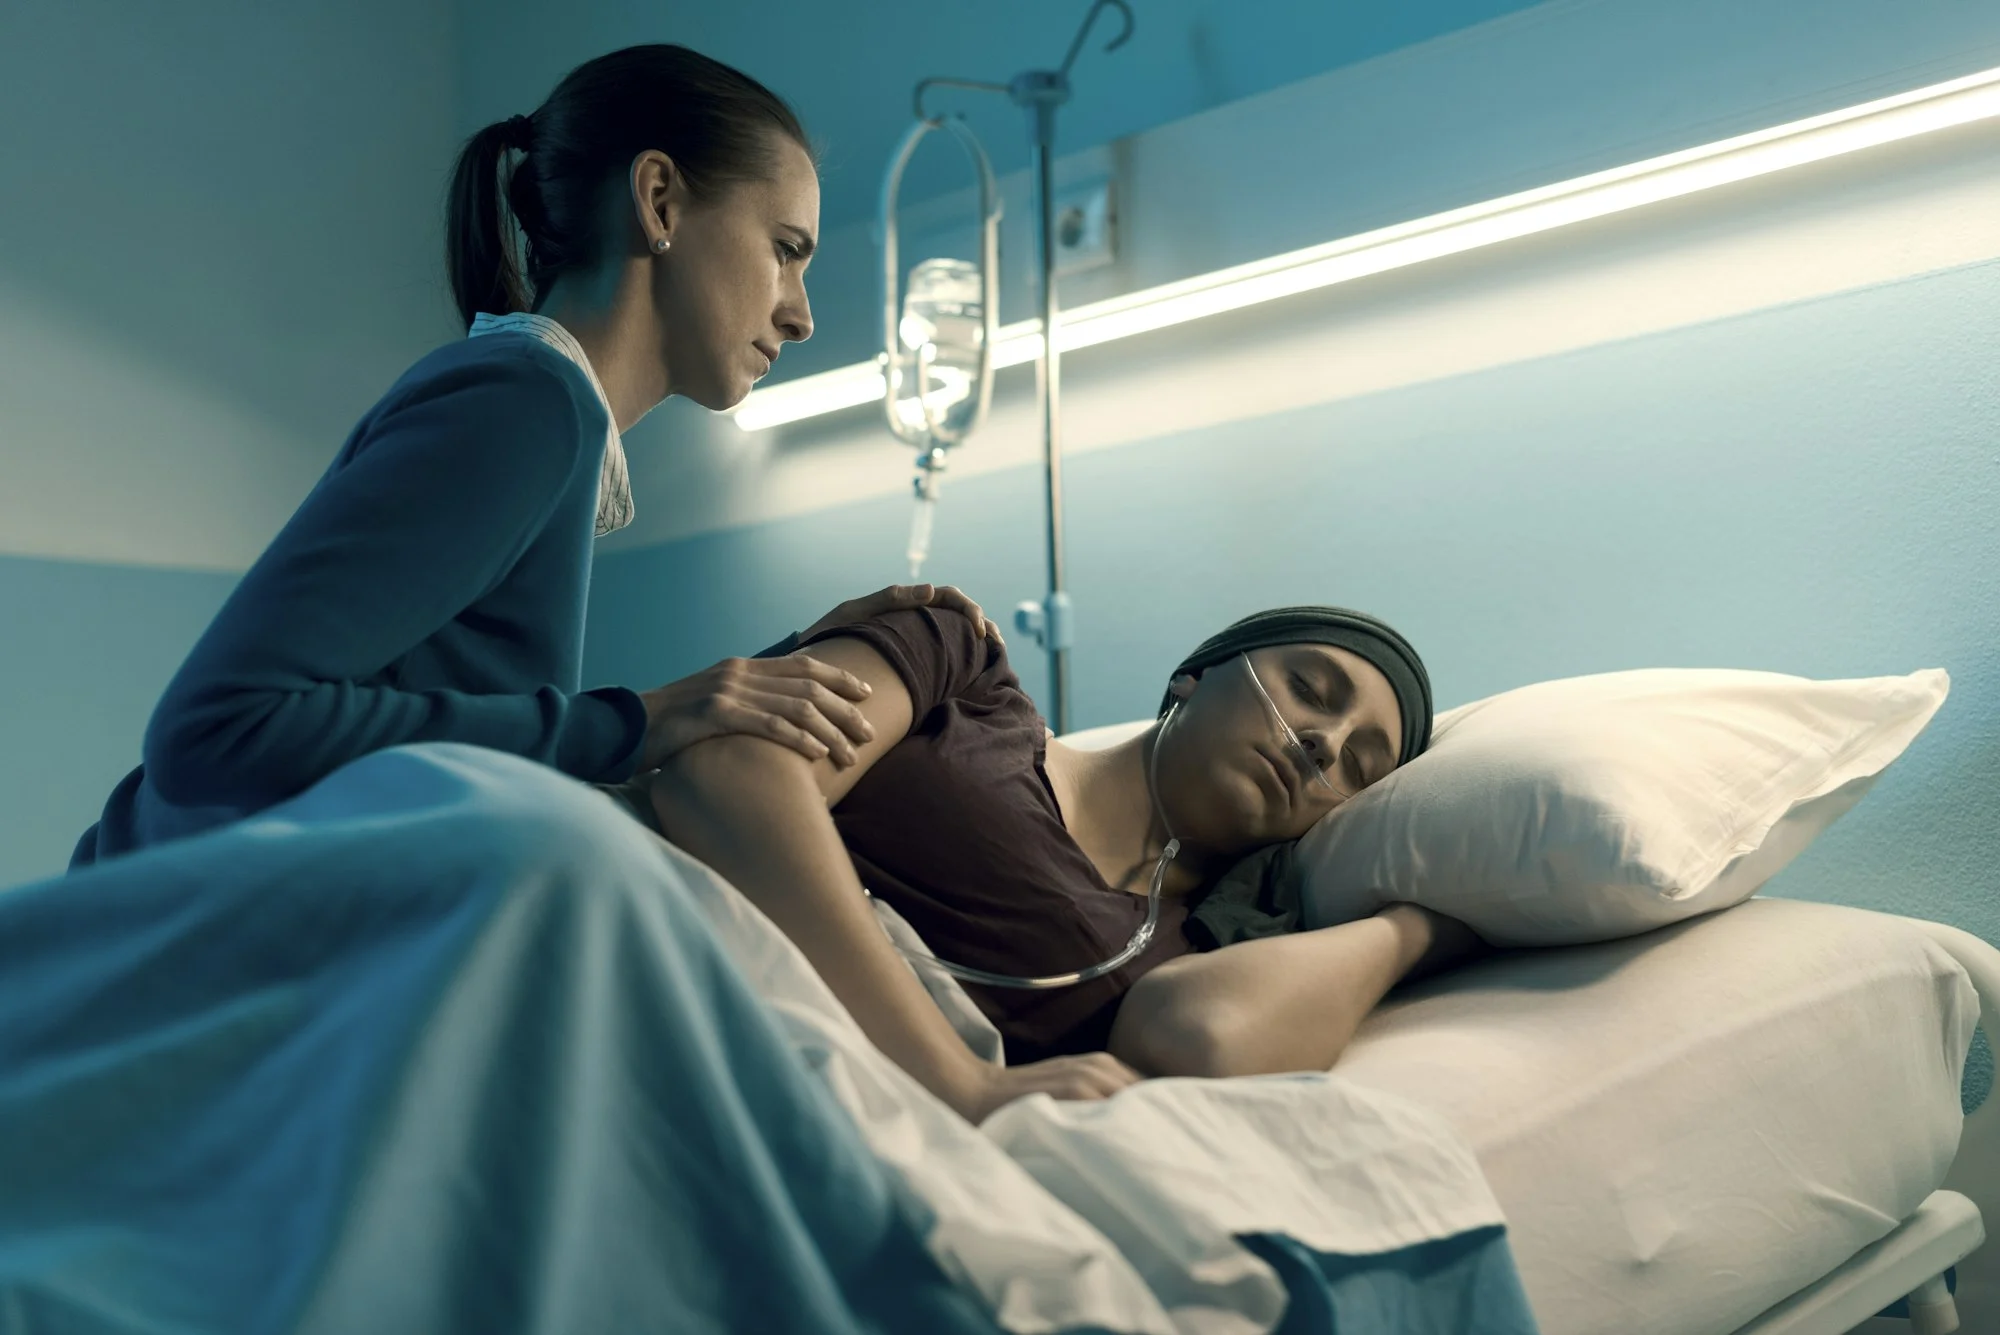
<point x="1009" y="851"/>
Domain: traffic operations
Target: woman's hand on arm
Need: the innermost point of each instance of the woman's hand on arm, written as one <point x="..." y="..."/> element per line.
<point x="799" y="701"/>
<point x="1282" y="1003"/>
<point x="792" y="699"/>
<point x="759" y="814"/>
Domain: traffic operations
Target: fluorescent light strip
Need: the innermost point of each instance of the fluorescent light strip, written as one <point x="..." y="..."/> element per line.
<point x="1815" y="139"/>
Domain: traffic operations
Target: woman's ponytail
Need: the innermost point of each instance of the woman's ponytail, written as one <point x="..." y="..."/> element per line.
<point x="479" y="256"/>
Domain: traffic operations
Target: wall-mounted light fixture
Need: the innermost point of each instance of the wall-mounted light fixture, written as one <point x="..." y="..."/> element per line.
<point x="1814" y="139"/>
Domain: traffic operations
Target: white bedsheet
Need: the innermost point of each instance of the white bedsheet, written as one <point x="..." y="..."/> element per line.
<point x="1687" y="1126"/>
<point x="1122" y="1214"/>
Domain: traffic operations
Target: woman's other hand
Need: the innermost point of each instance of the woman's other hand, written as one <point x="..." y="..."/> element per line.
<point x="899" y="596"/>
<point x="796" y="701"/>
<point x="1090" y="1075"/>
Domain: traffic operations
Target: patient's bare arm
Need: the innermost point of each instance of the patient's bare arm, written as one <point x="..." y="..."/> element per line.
<point x="759" y="814"/>
<point x="1285" y="1003"/>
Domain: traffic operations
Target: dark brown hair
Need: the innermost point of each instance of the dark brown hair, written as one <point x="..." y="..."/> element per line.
<point x="715" y="122"/>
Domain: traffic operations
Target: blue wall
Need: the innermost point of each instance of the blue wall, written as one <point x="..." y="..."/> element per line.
<point x="221" y="243"/>
<point x="1241" y="131"/>
<point x="1809" y="489"/>
<point x="1570" y="517"/>
<point x="95" y="647"/>
<point x="1795" y="467"/>
<point x="850" y="69"/>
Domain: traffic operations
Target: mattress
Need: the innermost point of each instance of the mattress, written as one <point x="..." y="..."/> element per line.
<point x="1687" y="1126"/>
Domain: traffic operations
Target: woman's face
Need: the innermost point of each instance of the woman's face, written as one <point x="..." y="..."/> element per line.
<point x="1227" y="779"/>
<point x="732" y="290"/>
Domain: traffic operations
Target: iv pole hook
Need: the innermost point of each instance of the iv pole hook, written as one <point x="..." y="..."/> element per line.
<point x="1076" y="45"/>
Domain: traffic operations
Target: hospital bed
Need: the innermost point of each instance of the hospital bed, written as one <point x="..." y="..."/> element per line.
<point x="1746" y="1123"/>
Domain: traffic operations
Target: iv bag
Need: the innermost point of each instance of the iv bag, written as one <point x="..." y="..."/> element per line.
<point x="944" y="323"/>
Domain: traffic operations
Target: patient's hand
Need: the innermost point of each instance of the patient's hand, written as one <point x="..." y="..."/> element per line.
<point x="1090" y="1075"/>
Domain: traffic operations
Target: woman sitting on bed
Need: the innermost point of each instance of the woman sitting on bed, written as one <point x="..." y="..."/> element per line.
<point x="1008" y="851"/>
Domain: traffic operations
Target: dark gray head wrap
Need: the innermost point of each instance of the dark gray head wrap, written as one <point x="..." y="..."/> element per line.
<point x="1356" y="632"/>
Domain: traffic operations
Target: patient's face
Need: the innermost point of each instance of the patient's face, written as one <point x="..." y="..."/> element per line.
<point x="1227" y="779"/>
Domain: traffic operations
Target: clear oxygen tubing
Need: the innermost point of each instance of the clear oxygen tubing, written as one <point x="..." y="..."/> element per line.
<point x="1141" y="938"/>
<point x="1302" y="759"/>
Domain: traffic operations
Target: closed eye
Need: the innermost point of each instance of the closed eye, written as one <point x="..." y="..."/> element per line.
<point x="1305" y="692"/>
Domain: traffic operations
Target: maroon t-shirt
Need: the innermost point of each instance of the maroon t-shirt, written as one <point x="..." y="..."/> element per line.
<point x="957" y="829"/>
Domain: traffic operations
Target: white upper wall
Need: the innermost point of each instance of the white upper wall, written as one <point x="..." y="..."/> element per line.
<point x="221" y="243"/>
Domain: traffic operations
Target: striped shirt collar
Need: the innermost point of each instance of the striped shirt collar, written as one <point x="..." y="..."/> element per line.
<point x="614" y="486"/>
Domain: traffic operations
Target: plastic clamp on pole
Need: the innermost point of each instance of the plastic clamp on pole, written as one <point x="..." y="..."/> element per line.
<point x="1030" y="620"/>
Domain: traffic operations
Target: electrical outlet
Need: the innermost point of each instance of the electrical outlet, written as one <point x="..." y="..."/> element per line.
<point x="1085" y="226"/>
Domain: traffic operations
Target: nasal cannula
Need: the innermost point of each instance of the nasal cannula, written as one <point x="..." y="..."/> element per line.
<point x="1144" y="935"/>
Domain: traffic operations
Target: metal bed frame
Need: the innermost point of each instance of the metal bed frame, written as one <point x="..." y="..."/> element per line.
<point x="1945" y="1231"/>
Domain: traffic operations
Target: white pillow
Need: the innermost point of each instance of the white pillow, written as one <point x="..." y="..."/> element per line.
<point x="1605" y="806"/>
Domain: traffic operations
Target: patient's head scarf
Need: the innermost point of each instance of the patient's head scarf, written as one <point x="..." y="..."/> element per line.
<point x="1356" y="632"/>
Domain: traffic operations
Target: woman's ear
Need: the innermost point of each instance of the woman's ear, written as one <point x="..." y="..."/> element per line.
<point x="659" y="194"/>
<point x="1182" y="685"/>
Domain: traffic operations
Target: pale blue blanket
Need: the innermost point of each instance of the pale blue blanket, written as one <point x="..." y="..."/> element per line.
<point x="442" y="1046"/>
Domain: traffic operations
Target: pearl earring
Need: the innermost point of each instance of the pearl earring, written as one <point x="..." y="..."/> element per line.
<point x="662" y="244"/>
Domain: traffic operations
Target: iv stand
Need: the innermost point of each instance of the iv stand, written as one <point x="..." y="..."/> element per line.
<point x="1040" y="93"/>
